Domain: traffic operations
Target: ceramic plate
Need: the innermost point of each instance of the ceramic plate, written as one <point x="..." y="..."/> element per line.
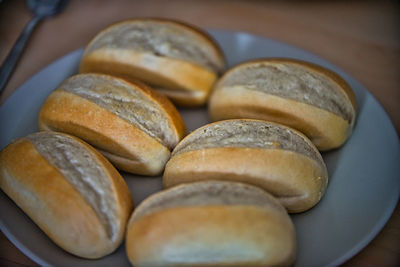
<point x="364" y="174"/>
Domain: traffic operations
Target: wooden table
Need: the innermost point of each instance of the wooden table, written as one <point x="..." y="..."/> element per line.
<point x="360" y="37"/>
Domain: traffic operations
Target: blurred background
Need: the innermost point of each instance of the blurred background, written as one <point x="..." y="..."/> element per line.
<point x="360" y="37"/>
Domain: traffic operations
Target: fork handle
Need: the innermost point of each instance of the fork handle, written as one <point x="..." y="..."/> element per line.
<point x="12" y="58"/>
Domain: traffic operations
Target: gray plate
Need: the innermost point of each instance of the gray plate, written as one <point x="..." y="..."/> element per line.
<point x="364" y="174"/>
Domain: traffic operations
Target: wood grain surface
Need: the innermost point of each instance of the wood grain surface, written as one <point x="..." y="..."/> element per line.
<point x="360" y="37"/>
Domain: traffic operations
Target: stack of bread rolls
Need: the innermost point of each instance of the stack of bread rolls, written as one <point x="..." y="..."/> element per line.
<point x="228" y="185"/>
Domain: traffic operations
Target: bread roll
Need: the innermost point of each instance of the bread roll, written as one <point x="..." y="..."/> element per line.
<point x="274" y="157"/>
<point x="69" y="190"/>
<point x="180" y="60"/>
<point x="211" y="223"/>
<point x="131" y="124"/>
<point x="304" y="96"/>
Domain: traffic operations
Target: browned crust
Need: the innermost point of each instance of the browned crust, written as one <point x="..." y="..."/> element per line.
<point x="185" y="98"/>
<point x="42" y="192"/>
<point x="297" y="181"/>
<point x="207" y="229"/>
<point x="167" y="107"/>
<point x="325" y="129"/>
<point x="211" y="234"/>
<point x="294" y="131"/>
<point x="314" y="67"/>
<point x="179" y="81"/>
<point x="69" y="113"/>
<point x="187" y="26"/>
<point x="169" y="74"/>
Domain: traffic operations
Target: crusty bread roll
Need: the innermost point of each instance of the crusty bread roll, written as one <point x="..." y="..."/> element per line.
<point x="180" y="60"/>
<point x="131" y="124"/>
<point x="304" y="96"/>
<point x="212" y="223"/>
<point x="69" y="190"/>
<point x="274" y="157"/>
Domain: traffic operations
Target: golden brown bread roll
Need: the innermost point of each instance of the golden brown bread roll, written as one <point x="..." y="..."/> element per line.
<point x="178" y="59"/>
<point x="274" y="157"/>
<point x="69" y="190"/>
<point x="212" y="223"/>
<point x="304" y="96"/>
<point x="131" y="124"/>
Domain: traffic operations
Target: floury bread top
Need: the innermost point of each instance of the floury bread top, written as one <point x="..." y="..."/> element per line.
<point x="179" y="60"/>
<point x="131" y="124"/>
<point x="305" y="96"/>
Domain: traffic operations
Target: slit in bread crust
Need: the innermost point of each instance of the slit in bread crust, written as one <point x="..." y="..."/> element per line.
<point x="164" y="39"/>
<point x="207" y="193"/>
<point x="83" y="171"/>
<point x="121" y="99"/>
<point x="247" y="134"/>
<point x="295" y="82"/>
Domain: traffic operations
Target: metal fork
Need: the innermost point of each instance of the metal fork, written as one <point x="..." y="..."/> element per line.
<point x="41" y="9"/>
